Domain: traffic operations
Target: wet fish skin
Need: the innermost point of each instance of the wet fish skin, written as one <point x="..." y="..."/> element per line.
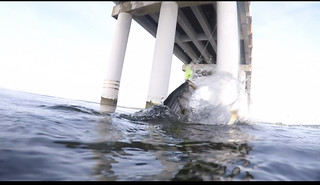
<point x="178" y="100"/>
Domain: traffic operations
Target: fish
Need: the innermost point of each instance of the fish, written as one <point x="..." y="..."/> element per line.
<point x="197" y="100"/>
<point x="202" y="99"/>
<point x="178" y="99"/>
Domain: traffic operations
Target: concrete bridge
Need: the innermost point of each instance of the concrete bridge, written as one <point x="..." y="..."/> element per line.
<point x="203" y="32"/>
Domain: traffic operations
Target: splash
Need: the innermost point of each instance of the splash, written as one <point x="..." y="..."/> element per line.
<point x="214" y="100"/>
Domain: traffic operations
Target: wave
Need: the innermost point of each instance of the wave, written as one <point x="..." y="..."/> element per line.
<point x="74" y="108"/>
<point x="154" y="113"/>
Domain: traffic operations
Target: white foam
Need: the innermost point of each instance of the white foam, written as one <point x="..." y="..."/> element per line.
<point x="214" y="99"/>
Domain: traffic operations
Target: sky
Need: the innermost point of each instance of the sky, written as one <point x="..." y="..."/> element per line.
<point x="286" y="61"/>
<point x="60" y="49"/>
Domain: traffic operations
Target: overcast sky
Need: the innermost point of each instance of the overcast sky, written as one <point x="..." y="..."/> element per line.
<point x="60" y="49"/>
<point x="286" y="60"/>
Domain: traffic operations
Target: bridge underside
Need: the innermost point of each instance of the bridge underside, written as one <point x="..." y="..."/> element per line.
<point x="205" y="32"/>
<point x="196" y="30"/>
<point x="196" y="27"/>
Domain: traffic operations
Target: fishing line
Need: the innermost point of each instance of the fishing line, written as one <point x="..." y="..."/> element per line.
<point x="211" y="35"/>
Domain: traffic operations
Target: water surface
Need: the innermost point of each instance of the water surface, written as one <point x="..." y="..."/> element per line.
<point x="48" y="138"/>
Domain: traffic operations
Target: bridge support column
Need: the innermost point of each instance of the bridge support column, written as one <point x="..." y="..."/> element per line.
<point x="228" y="51"/>
<point x="228" y="44"/>
<point x="162" y="57"/>
<point x="109" y="96"/>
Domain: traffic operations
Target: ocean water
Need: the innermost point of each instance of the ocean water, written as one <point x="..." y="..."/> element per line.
<point x="47" y="138"/>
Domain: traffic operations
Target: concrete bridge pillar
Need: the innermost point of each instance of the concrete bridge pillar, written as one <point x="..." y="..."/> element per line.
<point x="228" y="44"/>
<point x="228" y="50"/>
<point x="162" y="58"/>
<point x="109" y="96"/>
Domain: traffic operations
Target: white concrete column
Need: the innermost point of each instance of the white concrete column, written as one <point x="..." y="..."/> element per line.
<point x="228" y="49"/>
<point x="228" y="44"/>
<point x="162" y="57"/>
<point x="109" y="96"/>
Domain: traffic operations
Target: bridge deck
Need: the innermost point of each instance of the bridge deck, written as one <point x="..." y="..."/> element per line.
<point x="196" y="30"/>
<point x="196" y="33"/>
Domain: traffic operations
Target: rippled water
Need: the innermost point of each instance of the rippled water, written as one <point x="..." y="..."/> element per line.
<point x="48" y="138"/>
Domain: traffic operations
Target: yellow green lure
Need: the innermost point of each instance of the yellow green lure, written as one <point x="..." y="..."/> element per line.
<point x="188" y="73"/>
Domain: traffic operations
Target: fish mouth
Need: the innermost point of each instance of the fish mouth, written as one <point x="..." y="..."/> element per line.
<point x="191" y="84"/>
